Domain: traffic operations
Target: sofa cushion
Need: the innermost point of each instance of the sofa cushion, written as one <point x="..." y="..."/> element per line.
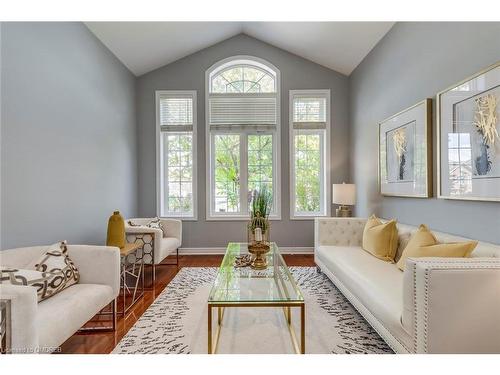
<point x="423" y="243"/>
<point x="378" y="285"/>
<point x="380" y="239"/>
<point x="59" y="317"/>
<point x="403" y="239"/>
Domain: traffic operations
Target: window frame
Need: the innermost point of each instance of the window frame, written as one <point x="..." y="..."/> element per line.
<point x="160" y="157"/>
<point x="243" y="133"/>
<point x="325" y="191"/>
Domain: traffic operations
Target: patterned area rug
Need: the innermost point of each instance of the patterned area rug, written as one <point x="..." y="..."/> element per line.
<point x="176" y="322"/>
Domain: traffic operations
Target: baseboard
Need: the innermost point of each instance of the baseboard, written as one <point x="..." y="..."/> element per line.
<point x="222" y="250"/>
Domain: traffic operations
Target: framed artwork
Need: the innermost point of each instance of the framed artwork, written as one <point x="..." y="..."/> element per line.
<point x="468" y="138"/>
<point x="405" y="152"/>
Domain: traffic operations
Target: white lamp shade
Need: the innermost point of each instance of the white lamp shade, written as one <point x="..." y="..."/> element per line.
<point x="344" y="194"/>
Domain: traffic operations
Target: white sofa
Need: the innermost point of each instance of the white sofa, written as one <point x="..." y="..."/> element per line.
<point x="42" y="327"/>
<point x="437" y="305"/>
<point x="155" y="245"/>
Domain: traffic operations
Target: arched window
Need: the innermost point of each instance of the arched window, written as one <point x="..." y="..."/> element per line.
<point x="243" y="76"/>
<point x="243" y="121"/>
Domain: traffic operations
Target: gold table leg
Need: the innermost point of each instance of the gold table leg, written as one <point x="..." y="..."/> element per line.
<point x="299" y="348"/>
<point x="303" y="329"/>
<point x="212" y="342"/>
<point x="210" y="329"/>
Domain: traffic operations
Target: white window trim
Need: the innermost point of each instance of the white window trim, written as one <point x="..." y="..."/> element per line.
<point x="160" y="167"/>
<point x="326" y="156"/>
<point x="210" y="216"/>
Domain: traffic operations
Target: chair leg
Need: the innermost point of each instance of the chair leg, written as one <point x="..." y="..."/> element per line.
<point x="115" y="302"/>
<point x="176" y="263"/>
<point x="153" y="268"/>
<point x="111" y="328"/>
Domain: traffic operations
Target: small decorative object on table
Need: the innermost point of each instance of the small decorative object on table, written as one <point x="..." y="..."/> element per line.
<point x="258" y="227"/>
<point x="242" y="260"/>
<point x="116" y="230"/>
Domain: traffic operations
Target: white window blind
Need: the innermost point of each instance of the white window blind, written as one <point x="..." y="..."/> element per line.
<point x="236" y="112"/>
<point x="309" y="112"/>
<point x="176" y="113"/>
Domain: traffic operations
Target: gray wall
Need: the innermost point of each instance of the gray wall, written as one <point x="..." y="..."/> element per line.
<point x="412" y="62"/>
<point x="189" y="74"/>
<point x="68" y="147"/>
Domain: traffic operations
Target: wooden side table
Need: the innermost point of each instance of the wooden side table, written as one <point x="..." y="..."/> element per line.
<point x="131" y="268"/>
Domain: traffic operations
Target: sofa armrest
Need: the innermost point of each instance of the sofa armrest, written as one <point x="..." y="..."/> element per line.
<point x="97" y="265"/>
<point x="23" y="322"/>
<point x="451" y="305"/>
<point x="173" y="228"/>
<point x="338" y="231"/>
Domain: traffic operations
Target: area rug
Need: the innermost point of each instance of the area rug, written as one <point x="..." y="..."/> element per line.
<point x="176" y="322"/>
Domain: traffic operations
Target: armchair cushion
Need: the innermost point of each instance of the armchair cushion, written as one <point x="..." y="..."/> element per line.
<point x="77" y="305"/>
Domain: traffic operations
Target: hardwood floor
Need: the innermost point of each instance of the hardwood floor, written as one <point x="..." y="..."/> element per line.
<point x="102" y="343"/>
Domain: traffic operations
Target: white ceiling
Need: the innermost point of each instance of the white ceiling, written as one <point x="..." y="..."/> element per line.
<point x="145" y="46"/>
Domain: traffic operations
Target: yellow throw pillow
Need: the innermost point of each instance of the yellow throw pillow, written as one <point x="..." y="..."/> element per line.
<point x="380" y="239"/>
<point x="424" y="244"/>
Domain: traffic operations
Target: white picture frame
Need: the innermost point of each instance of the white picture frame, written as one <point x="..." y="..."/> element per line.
<point x="468" y="138"/>
<point x="405" y="152"/>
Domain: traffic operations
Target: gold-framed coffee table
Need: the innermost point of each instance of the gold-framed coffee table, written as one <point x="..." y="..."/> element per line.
<point x="245" y="287"/>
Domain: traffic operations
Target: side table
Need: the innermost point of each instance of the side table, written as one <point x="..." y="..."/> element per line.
<point x="131" y="269"/>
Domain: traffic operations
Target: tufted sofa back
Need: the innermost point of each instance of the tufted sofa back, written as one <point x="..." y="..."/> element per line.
<point x="337" y="231"/>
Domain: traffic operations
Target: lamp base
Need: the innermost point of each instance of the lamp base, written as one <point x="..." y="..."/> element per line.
<point x="343" y="211"/>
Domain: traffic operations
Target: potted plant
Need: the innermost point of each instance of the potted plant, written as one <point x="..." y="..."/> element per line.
<point x="258" y="227"/>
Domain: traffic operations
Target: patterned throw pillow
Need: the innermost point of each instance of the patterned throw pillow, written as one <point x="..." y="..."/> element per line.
<point x="46" y="283"/>
<point x="155" y="223"/>
<point x="56" y="259"/>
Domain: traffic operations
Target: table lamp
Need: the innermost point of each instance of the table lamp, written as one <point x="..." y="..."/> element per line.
<point x="344" y="195"/>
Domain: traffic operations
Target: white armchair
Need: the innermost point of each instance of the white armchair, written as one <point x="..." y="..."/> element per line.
<point x="44" y="326"/>
<point x="155" y="245"/>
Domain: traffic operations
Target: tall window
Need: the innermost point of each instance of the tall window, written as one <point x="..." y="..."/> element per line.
<point x="309" y="153"/>
<point x="176" y="123"/>
<point x="243" y="146"/>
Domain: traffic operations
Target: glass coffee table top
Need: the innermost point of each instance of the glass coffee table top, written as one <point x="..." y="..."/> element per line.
<point x="242" y="285"/>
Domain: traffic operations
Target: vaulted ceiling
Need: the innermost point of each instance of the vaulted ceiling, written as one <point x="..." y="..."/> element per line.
<point x="145" y="46"/>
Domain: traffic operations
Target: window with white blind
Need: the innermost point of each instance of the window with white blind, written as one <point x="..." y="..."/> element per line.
<point x="176" y="159"/>
<point x="243" y="127"/>
<point x="309" y="153"/>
